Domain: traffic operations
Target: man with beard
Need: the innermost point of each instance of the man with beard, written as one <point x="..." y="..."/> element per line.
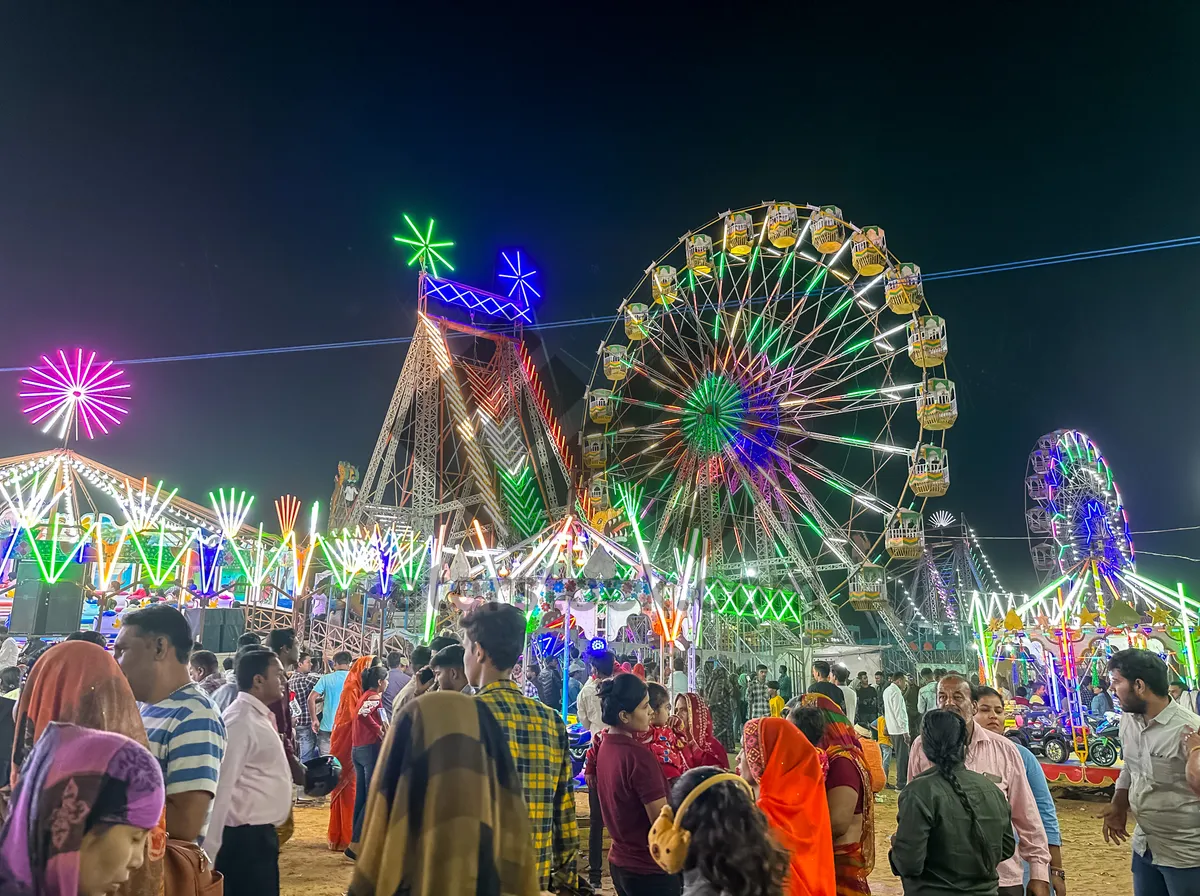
<point x="1153" y="782"/>
<point x="994" y="757"/>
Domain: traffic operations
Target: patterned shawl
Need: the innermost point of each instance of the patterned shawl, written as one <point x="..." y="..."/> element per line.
<point x="791" y="793"/>
<point x="74" y="779"/>
<point x="446" y="814"/>
<point x="695" y="725"/>
<point x="80" y="683"/>
<point x="841" y="740"/>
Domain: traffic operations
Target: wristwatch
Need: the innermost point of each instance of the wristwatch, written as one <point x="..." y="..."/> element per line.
<point x="1060" y="873"/>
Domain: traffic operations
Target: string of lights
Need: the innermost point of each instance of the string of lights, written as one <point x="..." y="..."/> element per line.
<point x="1001" y="267"/>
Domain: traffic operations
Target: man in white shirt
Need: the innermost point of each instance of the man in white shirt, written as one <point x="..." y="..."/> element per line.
<point x="679" y="678"/>
<point x="588" y="710"/>
<point x="842" y="675"/>
<point x="1153" y="782"/>
<point x="254" y="792"/>
<point x="895" y="717"/>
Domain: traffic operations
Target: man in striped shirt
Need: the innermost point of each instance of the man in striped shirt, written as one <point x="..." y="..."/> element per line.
<point x="185" y="731"/>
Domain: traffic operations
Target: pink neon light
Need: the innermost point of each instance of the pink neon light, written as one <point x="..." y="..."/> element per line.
<point x="65" y="392"/>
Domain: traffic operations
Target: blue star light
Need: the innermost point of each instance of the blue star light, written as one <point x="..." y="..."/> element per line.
<point x="518" y="276"/>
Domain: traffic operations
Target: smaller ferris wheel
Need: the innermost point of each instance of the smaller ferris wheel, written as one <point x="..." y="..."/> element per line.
<point x="1074" y="516"/>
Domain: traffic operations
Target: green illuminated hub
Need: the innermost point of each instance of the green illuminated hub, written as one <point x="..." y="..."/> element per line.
<point x="713" y="414"/>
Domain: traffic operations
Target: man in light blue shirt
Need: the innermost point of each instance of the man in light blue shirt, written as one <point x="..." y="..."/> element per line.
<point x="989" y="712"/>
<point x="323" y="700"/>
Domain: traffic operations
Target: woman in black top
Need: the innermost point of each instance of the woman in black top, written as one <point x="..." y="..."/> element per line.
<point x="954" y="826"/>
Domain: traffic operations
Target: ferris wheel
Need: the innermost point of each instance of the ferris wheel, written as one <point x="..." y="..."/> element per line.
<point x="1074" y="513"/>
<point x="775" y="385"/>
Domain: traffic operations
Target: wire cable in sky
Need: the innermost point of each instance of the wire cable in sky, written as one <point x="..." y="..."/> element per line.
<point x="1087" y="255"/>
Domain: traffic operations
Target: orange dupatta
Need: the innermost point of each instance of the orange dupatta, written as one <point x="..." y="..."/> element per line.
<point x="791" y="793"/>
<point x="81" y="683"/>
<point x="341" y="744"/>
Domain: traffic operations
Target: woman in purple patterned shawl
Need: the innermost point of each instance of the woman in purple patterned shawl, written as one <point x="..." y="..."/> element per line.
<point x="80" y="815"/>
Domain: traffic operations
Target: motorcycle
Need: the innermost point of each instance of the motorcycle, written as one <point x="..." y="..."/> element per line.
<point x="578" y="741"/>
<point x="1104" y="741"/>
<point x="1040" y="731"/>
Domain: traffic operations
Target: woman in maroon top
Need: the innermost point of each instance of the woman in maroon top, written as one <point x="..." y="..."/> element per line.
<point x="367" y="737"/>
<point x="632" y="788"/>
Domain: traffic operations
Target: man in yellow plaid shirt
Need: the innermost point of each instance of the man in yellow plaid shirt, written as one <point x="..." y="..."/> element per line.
<point x="494" y="636"/>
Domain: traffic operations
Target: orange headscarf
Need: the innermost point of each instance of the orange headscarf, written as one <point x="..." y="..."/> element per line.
<point x="80" y="683"/>
<point x="791" y="793"/>
<point x="341" y="744"/>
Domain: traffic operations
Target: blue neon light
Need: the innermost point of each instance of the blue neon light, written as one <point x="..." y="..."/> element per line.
<point x="512" y="308"/>
<point x="518" y="276"/>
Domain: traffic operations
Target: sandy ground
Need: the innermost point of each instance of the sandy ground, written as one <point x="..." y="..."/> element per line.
<point x="308" y="868"/>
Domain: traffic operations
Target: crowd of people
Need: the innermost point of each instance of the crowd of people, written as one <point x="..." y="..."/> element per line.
<point x="150" y="769"/>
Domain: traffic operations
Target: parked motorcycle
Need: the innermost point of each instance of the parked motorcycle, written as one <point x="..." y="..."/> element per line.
<point x="1040" y="731"/>
<point x="1104" y="741"/>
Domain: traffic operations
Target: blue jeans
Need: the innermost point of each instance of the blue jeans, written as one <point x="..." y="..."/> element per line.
<point x="885" y="750"/>
<point x="1157" y="880"/>
<point x="306" y="743"/>
<point x="364" y="768"/>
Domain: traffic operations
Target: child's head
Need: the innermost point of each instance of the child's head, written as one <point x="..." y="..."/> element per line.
<point x="660" y="704"/>
<point x="772" y="688"/>
<point x="731" y="846"/>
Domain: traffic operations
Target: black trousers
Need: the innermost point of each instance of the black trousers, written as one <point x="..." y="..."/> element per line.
<point x="900" y="747"/>
<point x="595" y="835"/>
<point x="249" y="860"/>
<point x="628" y="883"/>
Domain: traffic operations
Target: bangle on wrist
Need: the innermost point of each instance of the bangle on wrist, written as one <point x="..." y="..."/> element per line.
<point x="1059" y="873"/>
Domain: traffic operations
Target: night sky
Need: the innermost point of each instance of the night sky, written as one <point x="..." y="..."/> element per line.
<point x="176" y="183"/>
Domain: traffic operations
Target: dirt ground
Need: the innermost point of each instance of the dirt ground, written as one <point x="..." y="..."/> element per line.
<point x="308" y="868"/>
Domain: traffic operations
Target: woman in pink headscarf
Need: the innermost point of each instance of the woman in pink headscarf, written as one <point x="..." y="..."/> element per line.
<point x="693" y="723"/>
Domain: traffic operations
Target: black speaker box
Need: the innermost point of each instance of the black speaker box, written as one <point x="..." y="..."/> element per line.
<point x="221" y="628"/>
<point x="39" y="608"/>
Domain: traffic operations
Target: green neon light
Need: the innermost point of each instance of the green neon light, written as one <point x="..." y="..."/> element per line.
<point x="524" y="501"/>
<point x="841" y="306"/>
<point x="427" y="254"/>
<point x="712" y="415"/>
<point x="153" y="568"/>
<point x="51" y="567"/>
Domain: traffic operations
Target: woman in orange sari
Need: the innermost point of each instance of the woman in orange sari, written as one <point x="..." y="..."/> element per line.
<point x="786" y="771"/>
<point x="80" y="683"/>
<point x="848" y="787"/>
<point x="341" y="745"/>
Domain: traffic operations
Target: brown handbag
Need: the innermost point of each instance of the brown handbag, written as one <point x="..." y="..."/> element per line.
<point x="187" y="871"/>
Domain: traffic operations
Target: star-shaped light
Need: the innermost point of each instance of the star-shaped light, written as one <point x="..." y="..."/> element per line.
<point x="1087" y="617"/>
<point x="1160" y="616"/>
<point x="426" y="254"/>
<point x="1013" y="622"/>
<point x="518" y="276"/>
<point x="995" y="624"/>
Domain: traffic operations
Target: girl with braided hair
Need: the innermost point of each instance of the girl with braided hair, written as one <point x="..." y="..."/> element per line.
<point x="954" y="826"/>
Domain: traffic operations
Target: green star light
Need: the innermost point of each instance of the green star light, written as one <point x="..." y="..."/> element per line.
<point x="427" y="254"/>
<point x="713" y="414"/>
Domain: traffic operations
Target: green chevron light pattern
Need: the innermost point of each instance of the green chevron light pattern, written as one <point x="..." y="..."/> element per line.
<point x="525" y="507"/>
<point x="740" y="599"/>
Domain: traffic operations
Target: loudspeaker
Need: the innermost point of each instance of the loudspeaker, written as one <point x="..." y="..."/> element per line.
<point x="42" y="609"/>
<point x="221" y="628"/>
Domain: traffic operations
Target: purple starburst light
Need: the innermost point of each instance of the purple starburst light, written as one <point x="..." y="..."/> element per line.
<point x="65" y="392"/>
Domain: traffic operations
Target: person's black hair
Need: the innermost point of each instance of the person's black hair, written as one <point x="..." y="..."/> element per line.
<point x="395" y="659"/>
<point x="249" y="639"/>
<point x="896" y="676"/>
<point x="421" y="656"/>
<point x="425" y="675"/>
<point x="251" y="662"/>
<point x="1178" y="682"/>
<point x="1102" y="684"/>
<point x="602" y="662"/>
<point x="159" y="620"/>
<point x="773" y="685"/>
<point x="1022" y="691"/>
<point x="499" y="629"/>
<point x="944" y="740"/>
<point x="227" y="664"/>
<point x="732" y="848"/>
<point x="304" y="654"/>
<point x="373" y="676"/>
<point x="939" y="673"/>
<point x="204" y="660"/>
<point x="441" y="641"/>
<point x="822" y="668"/>
<point x="810" y="721"/>
<point x="3" y="631"/>
<point x="343" y="658"/>
<point x="621" y="693"/>
<point x="984" y="691"/>
<point x="680" y="664"/>
<point x="10" y="678"/>
<point x="281" y="638"/>
<point x="91" y="637"/>
<point x="927" y="672"/>
<point x="782" y="669"/>
<point x="760" y="668"/>
<point x="659" y="696"/>
<point x="449" y="657"/>
<point x="841" y="674"/>
<point x="1134" y="664"/>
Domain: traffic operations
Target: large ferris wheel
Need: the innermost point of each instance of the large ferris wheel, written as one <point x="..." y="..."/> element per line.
<point x="775" y="383"/>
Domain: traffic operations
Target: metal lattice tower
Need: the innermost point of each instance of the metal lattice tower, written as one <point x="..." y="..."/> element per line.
<point x="469" y="434"/>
